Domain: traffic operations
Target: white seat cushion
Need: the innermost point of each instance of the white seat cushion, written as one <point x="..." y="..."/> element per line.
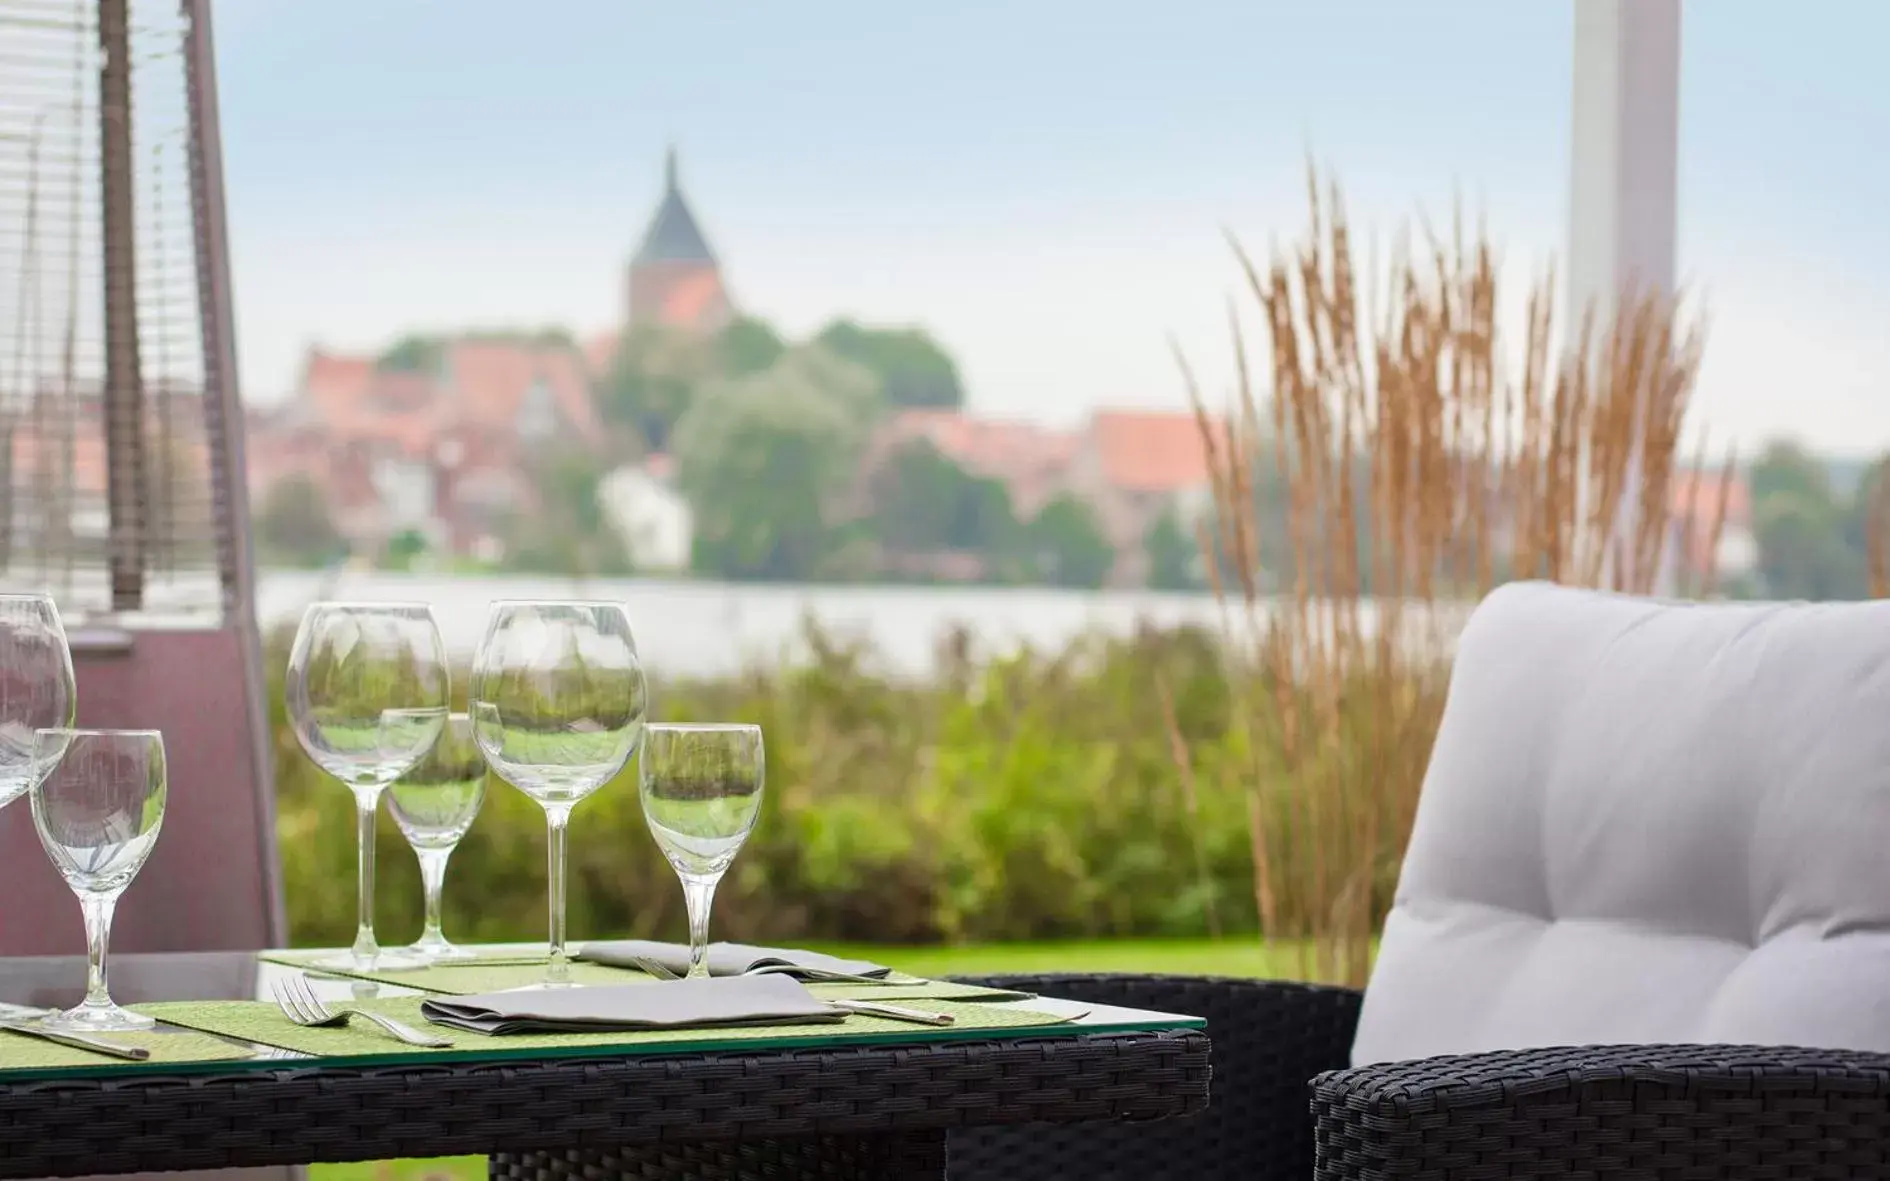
<point x="1647" y="822"/>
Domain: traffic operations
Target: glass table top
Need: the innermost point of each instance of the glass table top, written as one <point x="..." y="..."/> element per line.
<point x="34" y="983"/>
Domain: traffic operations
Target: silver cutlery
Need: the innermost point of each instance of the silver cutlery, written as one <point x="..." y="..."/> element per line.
<point x="819" y="975"/>
<point x="299" y="1004"/>
<point x="862" y="1008"/>
<point x="892" y="1012"/>
<point x="833" y="976"/>
<point x="80" y="1041"/>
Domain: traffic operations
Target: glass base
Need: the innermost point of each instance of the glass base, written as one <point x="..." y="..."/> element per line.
<point x="380" y="961"/>
<point x="438" y="952"/>
<point x="105" y="1018"/>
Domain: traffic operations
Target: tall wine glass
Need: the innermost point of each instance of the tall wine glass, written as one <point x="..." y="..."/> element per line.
<point x="557" y="703"/>
<point x="701" y="791"/>
<point x="98" y="803"/>
<point x="36" y="686"/>
<point x="434" y="804"/>
<point x="367" y="695"/>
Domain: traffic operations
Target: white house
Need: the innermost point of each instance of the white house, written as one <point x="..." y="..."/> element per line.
<point x="652" y="517"/>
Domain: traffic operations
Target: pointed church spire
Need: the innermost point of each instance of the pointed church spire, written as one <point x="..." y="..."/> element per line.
<point x="673" y="235"/>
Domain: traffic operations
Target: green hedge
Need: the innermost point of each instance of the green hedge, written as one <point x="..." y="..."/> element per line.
<point x="1028" y="797"/>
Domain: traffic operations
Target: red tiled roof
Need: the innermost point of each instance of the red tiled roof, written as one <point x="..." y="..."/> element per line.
<point x="489" y="381"/>
<point x="986" y="447"/>
<point x="400" y="392"/>
<point x="337" y="385"/>
<point x="1150" y="452"/>
<point x="88" y="459"/>
<point x="89" y="474"/>
<point x="1695" y="495"/>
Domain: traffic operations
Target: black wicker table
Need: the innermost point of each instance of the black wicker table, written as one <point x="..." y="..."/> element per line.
<point x="859" y="1111"/>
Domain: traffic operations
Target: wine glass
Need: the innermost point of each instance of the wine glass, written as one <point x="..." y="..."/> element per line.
<point x="434" y="804"/>
<point x="701" y="791"/>
<point x="36" y="686"/>
<point x="98" y="803"/>
<point x="557" y="703"/>
<point x="367" y="695"/>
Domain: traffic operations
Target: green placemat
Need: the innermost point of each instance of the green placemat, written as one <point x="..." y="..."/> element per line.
<point x="168" y="1048"/>
<point x="257" y="1021"/>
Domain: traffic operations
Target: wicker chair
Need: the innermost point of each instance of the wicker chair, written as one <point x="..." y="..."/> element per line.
<point x="1651" y="860"/>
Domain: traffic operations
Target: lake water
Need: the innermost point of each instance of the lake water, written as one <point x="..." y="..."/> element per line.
<point x="690" y="628"/>
<point x="699" y="628"/>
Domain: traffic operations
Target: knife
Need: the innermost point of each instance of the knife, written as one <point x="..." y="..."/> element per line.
<point x="78" y="1041"/>
<point x="894" y="1012"/>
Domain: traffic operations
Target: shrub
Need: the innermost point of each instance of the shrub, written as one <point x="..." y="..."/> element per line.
<point x="1030" y="796"/>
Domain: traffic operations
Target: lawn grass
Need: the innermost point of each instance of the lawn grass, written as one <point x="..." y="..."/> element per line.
<point x="1188" y="957"/>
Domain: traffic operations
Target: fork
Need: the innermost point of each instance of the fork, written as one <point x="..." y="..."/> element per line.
<point x="862" y="1008"/>
<point x="299" y="1004"/>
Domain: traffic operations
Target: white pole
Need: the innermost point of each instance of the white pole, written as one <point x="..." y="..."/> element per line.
<point x="1623" y="162"/>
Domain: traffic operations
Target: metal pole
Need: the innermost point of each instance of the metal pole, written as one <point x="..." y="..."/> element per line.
<point x="1624" y="145"/>
<point x="124" y="378"/>
<point x="223" y="422"/>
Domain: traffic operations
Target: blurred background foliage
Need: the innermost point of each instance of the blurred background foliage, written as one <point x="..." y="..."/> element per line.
<point x="1099" y="791"/>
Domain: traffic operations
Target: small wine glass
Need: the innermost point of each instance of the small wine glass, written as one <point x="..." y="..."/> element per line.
<point x="434" y="804"/>
<point x="98" y="803"/>
<point x="36" y="685"/>
<point x="701" y="791"/>
<point x="367" y="695"/>
<point x="557" y="702"/>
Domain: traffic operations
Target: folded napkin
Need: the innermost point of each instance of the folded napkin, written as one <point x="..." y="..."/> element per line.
<point x="725" y="959"/>
<point x="671" y="1004"/>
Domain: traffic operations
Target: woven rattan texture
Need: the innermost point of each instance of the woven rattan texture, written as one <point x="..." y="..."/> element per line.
<point x="265" y="1117"/>
<point x="927" y="1088"/>
<point x="1269" y="1040"/>
<point x="892" y="1157"/>
<point x="1619" y="1112"/>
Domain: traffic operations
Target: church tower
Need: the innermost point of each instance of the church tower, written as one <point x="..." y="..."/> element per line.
<point x="674" y="278"/>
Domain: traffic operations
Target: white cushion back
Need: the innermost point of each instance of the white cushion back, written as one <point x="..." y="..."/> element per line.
<point x="1648" y="822"/>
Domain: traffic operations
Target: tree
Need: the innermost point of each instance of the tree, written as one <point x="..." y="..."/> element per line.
<point x="293" y="524"/>
<point x="747" y="346"/>
<point x="570" y="535"/>
<point x="762" y="459"/>
<point x="653" y="379"/>
<point x="1066" y="545"/>
<point x="1802" y="554"/>
<point x="1807" y="541"/>
<point x="412" y="353"/>
<point x="658" y="370"/>
<point x="922" y="502"/>
<point x="1786" y="467"/>
<point x="912" y="369"/>
<point x="406" y="548"/>
<point x="1173" y="556"/>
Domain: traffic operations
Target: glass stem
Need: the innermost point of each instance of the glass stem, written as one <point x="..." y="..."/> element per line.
<point x="433" y="881"/>
<point x="557" y="822"/>
<point x="98" y="933"/>
<point x="698" y="895"/>
<point x="366" y="800"/>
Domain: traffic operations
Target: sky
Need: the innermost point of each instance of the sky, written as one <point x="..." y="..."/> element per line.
<point x="1045" y="187"/>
